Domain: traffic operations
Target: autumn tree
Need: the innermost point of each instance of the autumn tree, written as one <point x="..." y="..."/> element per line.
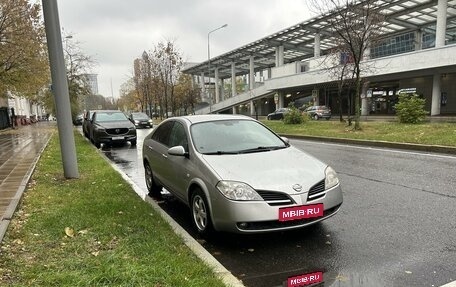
<point x="354" y="26"/>
<point x="186" y="95"/>
<point x="129" y="98"/>
<point x="156" y="75"/>
<point x="24" y="68"/>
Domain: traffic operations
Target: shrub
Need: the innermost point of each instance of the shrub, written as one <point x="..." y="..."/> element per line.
<point x="293" y="117"/>
<point x="410" y="109"/>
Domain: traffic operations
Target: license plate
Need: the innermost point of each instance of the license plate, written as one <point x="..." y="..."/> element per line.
<point x="117" y="138"/>
<point x="301" y="212"/>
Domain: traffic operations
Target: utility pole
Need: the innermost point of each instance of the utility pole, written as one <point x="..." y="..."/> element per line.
<point x="60" y="88"/>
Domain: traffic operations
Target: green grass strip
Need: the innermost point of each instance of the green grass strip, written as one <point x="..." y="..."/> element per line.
<point x="92" y="231"/>
<point x="427" y="133"/>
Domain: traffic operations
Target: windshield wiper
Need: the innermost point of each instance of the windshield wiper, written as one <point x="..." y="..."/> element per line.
<point x="220" y="152"/>
<point x="261" y="149"/>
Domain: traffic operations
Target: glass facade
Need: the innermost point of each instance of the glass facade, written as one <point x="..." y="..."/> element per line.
<point x="396" y="45"/>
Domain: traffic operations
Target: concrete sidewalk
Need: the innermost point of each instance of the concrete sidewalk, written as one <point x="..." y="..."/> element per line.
<point x="20" y="150"/>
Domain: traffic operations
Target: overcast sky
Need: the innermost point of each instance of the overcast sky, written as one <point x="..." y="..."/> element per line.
<point x="115" y="32"/>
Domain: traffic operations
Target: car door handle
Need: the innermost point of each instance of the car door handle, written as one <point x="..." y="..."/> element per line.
<point x="164" y="155"/>
<point x="149" y="147"/>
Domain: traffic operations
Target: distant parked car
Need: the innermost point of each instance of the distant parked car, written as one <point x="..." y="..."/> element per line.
<point x="86" y="124"/>
<point x="236" y="175"/>
<point x="77" y="121"/>
<point x="111" y="126"/>
<point x="318" y="112"/>
<point x="141" y="120"/>
<point x="278" y="114"/>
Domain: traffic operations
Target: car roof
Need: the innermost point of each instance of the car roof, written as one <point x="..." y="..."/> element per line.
<point x="192" y="119"/>
<point x="107" y="111"/>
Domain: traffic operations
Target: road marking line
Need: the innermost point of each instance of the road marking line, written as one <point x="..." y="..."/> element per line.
<point x="382" y="149"/>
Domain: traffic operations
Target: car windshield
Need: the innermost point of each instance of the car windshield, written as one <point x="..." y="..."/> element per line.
<point x="140" y="116"/>
<point x="110" y="117"/>
<point x="233" y="137"/>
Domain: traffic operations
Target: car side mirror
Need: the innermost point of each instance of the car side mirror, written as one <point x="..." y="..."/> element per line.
<point x="177" y="151"/>
<point x="285" y="139"/>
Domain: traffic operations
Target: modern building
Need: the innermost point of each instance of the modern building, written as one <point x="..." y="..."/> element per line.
<point x="92" y="81"/>
<point x="416" y="53"/>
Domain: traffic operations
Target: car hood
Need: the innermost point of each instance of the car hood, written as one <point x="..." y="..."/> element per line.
<point x="116" y="124"/>
<point x="276" y="170"/>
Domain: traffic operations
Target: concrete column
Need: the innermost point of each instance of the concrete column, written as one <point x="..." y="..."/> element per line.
<point x="281" y="100"/>
<point x="435" y="106"/>
<point x="317" y="45"/>
<point x="251" y="74"/>
<point x="418" y="40"/>
<point x="364" y="100"/>
<point x="279" y="56"/>
<point x="234" y="110"/>
<point x="216" y="86"/>
<point x="252" y="108"/>
<point x="269" y="73"/>
<point x="233" y="79"/>
<point x="441" y="23"/>
<point x="222" y="88"/>
<point x="202" y="83"/>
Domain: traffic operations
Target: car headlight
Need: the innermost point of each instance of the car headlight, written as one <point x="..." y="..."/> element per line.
<point x="150" y="121"/>
<point x="237" y="190"/>
<point x="331" y="178"/>
<point x="136" y="122"/>
<point x="100" y="129"/>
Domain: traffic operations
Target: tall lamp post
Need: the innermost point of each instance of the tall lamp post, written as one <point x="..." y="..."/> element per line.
<point x="209" y="63"/>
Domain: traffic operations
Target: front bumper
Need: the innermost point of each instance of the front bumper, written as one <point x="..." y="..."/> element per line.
<point x="106" y="138"/>
<point x="259" y="216"/>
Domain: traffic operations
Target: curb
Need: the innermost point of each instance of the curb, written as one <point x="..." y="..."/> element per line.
<point x="6" y="219"/>
<point x="384" y="144"/>
<point x="220" y="270"/>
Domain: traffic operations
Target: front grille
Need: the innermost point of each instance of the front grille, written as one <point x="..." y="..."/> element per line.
<point x="275" y="224"/>
<point x="118" y="131"/>
<point x="274" y="198"/>
<point x="315" y="191"/>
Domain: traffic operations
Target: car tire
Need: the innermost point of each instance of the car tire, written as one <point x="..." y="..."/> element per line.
<point x="269" y="118"/>
<point x="153" y="188"/>
<point x="97" y="144"/>
<point x="316" y="117"/>
<point x="201" y="217"/>
<point x="133" y="143"/>
<point x="327" y="119"/>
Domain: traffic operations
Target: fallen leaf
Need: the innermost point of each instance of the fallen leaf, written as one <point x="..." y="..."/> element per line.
<point x="69" y="232"/>
<point x="328" y="242"/>
<point x="217" y="253"/>
<point x="95" y="253"/>
<point x="250" y="250"/>
<point x="299" y="246"/>
<point x="408" y="272"/>
<point x="84" y="231"/>
<point x="120" y="212"/>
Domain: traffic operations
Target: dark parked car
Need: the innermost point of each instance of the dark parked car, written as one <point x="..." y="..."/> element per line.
<point x="278" y="114"/>
<point x="318" y="112"/>
<point x="110" y="127"/>
<point x="77" y="121"/>
<point x="86" y="124"/>
<point x="141" y="120"/>
<point x="211" y="163"/>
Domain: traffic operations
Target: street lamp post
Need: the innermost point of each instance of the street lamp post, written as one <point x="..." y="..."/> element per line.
<point x="209" y="64"/>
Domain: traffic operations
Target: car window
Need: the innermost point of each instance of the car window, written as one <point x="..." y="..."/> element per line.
<point x="162" y="132"/>
<point x="178" y="137"/>
<point x="140" y="116"/>
<point x="232" y="136"/>
<point x="110" y="117"/>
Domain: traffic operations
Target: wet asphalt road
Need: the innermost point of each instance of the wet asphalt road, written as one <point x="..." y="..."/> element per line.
<point x="397" y="226"/>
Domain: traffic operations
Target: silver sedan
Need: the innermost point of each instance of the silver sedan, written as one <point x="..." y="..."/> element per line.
<point x="236" y="175"/>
